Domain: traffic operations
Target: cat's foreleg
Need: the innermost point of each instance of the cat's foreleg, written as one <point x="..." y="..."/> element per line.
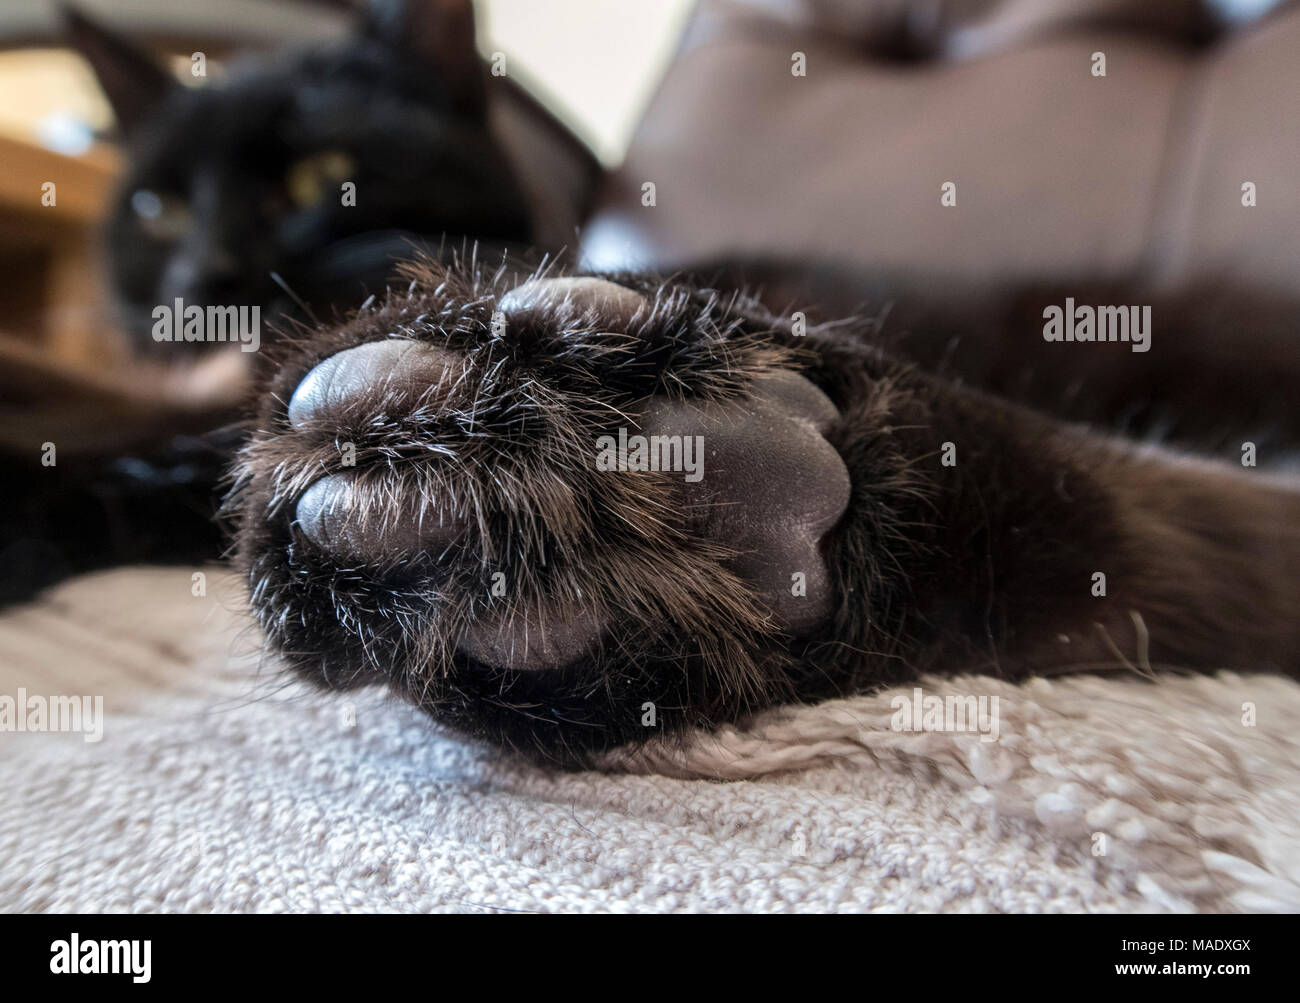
<point x="983" y="536"/>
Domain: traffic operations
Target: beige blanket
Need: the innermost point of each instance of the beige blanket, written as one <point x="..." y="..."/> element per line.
<point x="216" y="785"/>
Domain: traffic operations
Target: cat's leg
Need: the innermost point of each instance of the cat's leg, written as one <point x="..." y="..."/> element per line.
<point x="1207" y="363"/>
<point x="426" y="499"/>
<point x="988" y="537"/>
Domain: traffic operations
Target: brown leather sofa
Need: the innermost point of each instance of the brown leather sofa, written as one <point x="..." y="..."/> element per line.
<point x="1058" y="171"/>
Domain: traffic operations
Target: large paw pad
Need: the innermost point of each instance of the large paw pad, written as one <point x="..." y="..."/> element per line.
<point x="753" y="475"/>
<point x="769" y="485"/>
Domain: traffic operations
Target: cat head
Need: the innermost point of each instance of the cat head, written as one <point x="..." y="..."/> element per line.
<point x="322" y="165"/>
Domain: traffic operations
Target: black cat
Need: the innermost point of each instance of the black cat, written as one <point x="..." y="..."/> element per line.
<point x="554" y="510"/>
<point x="447" y="491"/>
<point x="305" y="173"/>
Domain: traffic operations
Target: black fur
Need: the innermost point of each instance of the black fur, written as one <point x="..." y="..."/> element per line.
<point x="982" y="566"/>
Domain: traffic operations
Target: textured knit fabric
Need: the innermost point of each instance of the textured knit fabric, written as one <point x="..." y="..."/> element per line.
<point x="220" y="786"/>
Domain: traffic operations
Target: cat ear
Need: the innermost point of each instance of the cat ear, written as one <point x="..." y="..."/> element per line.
<point x="439" y="33"/>
<point x="134" y="84"/>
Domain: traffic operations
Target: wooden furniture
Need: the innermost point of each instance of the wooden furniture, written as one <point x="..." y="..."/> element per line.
<point x="51" y="290"/>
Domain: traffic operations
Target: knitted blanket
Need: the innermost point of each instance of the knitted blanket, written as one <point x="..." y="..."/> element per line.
<point x="209" y="782"/>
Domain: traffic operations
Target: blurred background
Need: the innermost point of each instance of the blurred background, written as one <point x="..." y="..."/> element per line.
<point x="809" y="129"/>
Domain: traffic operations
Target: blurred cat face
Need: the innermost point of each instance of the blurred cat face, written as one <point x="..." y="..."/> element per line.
<point x="307" y="175"/>
<point x="324" y="174"/>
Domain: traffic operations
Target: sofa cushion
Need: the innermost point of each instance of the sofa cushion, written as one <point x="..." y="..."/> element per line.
<point x="1057" y="171"/>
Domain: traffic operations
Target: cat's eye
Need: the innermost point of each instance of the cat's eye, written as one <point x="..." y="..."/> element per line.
<point x="163" y="217"/>
<point x="311" y="179"/>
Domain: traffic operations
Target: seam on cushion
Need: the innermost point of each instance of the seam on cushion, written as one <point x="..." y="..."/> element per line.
<point x="708" y="27"/>
<point x="1167" y="226"/>
<point x="1170" y="229"/>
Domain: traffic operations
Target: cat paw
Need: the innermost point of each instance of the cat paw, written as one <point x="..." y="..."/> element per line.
<point x="566" y="498"/>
